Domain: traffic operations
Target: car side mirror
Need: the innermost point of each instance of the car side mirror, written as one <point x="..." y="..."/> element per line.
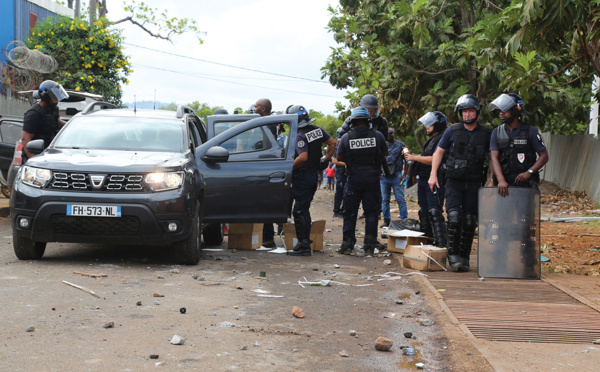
<point x="71" y="111"/>
<point x="36" y="146"/>
<point x="216" y="154"/>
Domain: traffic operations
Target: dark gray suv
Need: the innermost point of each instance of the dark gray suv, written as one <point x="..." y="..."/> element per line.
<point x="149" y="177"/>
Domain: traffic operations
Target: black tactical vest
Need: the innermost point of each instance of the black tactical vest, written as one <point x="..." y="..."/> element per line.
<point x="467" y="161"/>
<point x="515" y="155"/>
<point x="314" y="136"/>
<point x="363" y="153"/>
<point x="49" y="128"/>
<point x="424" y="170"/>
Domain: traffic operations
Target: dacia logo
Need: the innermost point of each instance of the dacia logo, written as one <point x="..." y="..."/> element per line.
<point x="97" y="180"/>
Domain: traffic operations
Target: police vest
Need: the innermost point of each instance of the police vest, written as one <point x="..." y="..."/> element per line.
<point x="424" y="170"/>
<point x="516" y="155"/>
<point x="315" y="139"/>
<point x="363" y="153"/>
<point x="467" y="161"/>
<point x="49" y="128"/>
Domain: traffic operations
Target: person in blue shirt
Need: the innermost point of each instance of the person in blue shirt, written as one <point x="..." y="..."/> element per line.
<point x="307" y="166"/>
<point x="467" y="144"/>
<point x="395" y="161"/>
<point x="363" y="150"/>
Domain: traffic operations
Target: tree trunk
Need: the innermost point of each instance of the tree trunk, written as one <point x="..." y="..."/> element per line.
<point x="93" y="4"/>
<point x="70" y="4"/>
<point x="77" y="8"/>
<point x="593" y="47"/>
<point x="102" y="8"/>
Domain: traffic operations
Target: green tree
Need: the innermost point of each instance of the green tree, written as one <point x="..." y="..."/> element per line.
<point x="90" y="57"/>
<point x="330" y="123"/>
<point x="421" y="55"/>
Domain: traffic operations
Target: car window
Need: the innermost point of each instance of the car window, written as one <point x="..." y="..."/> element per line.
<point x="123" y="133"/>
<point x="11" y="131"/>
<point x="222" y="126"/>
<point x="256" y="143"/>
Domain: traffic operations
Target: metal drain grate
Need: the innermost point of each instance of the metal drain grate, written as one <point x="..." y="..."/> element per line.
<point x="516" y="310"/>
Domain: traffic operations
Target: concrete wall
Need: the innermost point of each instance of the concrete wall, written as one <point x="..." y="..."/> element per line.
<point x="13" y="106"/>
<point x="574" y="163"/>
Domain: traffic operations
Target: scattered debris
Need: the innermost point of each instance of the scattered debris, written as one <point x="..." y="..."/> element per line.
<point x="139" y="303"/>
<point x="399" y="302"/>
<point x="177" y="340"/>
<point x="109" y="325"/>
<point x="383" y="344"/>
<point x="210" y="283"/>
<point x="344" y="354"/>
<point x="270" y="296"/>
<point x="353" y="332"/>
<point x="156" y="302"/>
<point x="408" y="351"/>
<point x="426" y="322"/>
<point x="596" y="342"/>
<point x="390" y="275"/>
<point x="154" y="356"/>
<point x="420" y="365"/>
<point x="90" y="275"/>
<point x="157" y="294"/>
<point x="238" y="287"/>
<point x="160" y="277"/>
<point x="244" y="347"/>
<point x="418" y="292"/>
<point x="408" y="334"/>
<point x="183" y="310"/>
<point x="262" y="274"/>
<point x="81" y="288"/>
<point x="174" y="271"/>
<point x="30" y="329"/>
<point x="387" y="262"/>
<point x="298" y="312"/>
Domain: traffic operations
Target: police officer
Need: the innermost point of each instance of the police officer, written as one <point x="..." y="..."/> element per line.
<point x="468" y="143"/>
<point x="517" y="153"/>
<point x="42" y="120"/>
<point x="362" y="149"/>
<point x="516" y="149"/>
<point x="431" y="215"/>
<point x="379" y="123"/>
<point x="340" y="180"/>
<point x="307" y="165"/>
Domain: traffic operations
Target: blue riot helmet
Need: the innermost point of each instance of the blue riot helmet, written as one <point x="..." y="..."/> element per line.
<point x="360" y="114"/>
<point x="52" y="90"/>
<point x="369" y="101"/>
<point x="435" y="119"/>
<point x="508" y="102"/>
<point x="468" y="101"/>
<point x="303" y="118"/>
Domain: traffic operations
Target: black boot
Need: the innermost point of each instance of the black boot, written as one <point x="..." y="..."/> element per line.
<point x="301" y="249"/>
<point x="369" y="250"/>
<point x="386" y="223"/>
<point x="438" y="225"/>
<point x="347" y="247"/>
<point x="453" y="232"/>
<point x="466" y="240"/>
<point x="424" y="224"/>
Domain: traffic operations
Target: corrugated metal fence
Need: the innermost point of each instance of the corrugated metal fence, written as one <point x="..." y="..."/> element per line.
<point x="574" y="163"/>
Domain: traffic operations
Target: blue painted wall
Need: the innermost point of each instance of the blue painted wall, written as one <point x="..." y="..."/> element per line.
<point x="7" y="22"/>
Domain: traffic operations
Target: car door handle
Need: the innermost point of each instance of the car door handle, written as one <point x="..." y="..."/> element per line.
<point x="277" y="177"/>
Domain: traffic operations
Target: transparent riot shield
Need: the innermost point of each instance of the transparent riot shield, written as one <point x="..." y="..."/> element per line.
<point x="509" y="233"/>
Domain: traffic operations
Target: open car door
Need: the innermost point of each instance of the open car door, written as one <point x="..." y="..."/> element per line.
<point x="248" y="173"/>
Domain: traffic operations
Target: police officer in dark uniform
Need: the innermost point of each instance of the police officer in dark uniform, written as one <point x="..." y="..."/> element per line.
<point x="362" y="149"/>
<point x="468" y="144"/>
<point x="340" y="180"/>
<point x="517" y="153"/>
<point x="42" y="120"/>
<point x="307" y="165"/>
<point x="379" y="123"/>
<point x="431" y="215"/>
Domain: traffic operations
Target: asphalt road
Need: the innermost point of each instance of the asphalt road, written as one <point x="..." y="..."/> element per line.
<point x="47" y="325"/>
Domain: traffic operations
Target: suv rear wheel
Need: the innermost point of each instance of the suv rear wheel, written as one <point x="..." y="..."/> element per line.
<point x="187" y="251"/>
<point x="213" y="233"/>
<point x="27" y="249"/>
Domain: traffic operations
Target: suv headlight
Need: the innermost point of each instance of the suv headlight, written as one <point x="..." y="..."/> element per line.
<point x="162" y="181"/>
<point x="36" y="177"/>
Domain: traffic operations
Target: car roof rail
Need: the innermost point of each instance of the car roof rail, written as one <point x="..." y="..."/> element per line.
<point x="102" y="105"/>
<point x="183" y="109"/>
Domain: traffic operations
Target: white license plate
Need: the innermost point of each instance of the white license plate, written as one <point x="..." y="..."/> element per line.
<point x="93" y="210"/>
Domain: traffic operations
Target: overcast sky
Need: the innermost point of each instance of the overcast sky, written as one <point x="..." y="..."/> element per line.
<point x="277" y="36"/>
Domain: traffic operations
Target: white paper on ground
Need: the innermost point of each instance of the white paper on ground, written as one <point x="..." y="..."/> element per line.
<point x="407" y="233"/>
<point x="269" y="296"/>
<point x="278" y="250"/>
<point x="212" y="249"/>
<point x="262" y="249"/>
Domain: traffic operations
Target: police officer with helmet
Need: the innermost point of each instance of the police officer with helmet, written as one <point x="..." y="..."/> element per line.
<point x="379" y="123"/>
<point x="431" y="215"/>
<point x="307" y="165"/>
<point x="340" y="180"/>
<point x="362" y="149"/>
<point x="467" y="144"/>
<point x="42" y="120"/>
<point x="516" y="148"/>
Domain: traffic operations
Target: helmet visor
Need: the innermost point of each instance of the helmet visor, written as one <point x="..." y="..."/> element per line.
<point x="428" y="119"/>
<point x="504" y="102"/>
<point x="58" y="92"/>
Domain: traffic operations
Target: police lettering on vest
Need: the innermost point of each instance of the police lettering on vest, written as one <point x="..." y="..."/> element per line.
<point x="362" y="143"/>
<point x="314" y="135"/>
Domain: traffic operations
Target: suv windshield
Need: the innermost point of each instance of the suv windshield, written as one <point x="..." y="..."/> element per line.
<point x="119" y="133"/>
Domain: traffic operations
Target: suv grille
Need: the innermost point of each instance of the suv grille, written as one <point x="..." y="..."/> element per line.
<point x="106" y="226"/>
<point x="97" y="182"/>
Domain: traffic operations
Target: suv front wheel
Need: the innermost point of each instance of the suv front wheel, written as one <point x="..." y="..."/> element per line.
<point x="27" y="249"/>
<point x="187" y="251"/>
<point x="213" y="233"/>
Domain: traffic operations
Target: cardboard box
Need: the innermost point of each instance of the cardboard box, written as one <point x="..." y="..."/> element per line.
<point x="416" y="257"/>
<point x="316" y="235"/>
<point x="399" y="240"/>
<point x="245" y="235"/>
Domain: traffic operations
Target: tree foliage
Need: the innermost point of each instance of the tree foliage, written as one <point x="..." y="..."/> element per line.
<point x="421" y="55"/>
<point x="90" y="57"/>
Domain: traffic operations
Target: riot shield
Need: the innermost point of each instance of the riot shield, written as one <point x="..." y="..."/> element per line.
<point x="509" y="233"/>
